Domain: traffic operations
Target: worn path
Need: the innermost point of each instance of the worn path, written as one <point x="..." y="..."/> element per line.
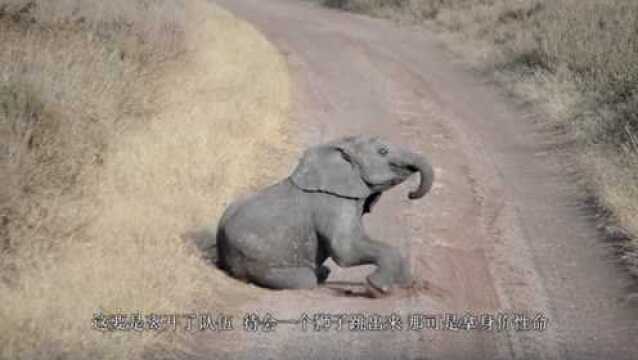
<point x="502" y="231"/>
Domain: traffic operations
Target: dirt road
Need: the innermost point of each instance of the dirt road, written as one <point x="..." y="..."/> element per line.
<point x="503" y="230"/>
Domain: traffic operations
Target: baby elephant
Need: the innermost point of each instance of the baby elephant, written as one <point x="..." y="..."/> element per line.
<point x="280" y="237"/>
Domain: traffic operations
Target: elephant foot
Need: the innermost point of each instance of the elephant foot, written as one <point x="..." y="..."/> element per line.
<point x="376" y="291"/>
<point x="322" y="274"/>
<point x="405" y="280"/>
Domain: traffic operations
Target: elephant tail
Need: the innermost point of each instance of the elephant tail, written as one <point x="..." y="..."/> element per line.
<point x="205" y="240"/>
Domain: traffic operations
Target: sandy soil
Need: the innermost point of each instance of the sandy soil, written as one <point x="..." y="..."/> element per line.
<point x="503" y="231"/>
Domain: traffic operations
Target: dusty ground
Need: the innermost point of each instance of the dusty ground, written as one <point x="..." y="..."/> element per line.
<point x="502" y="231"/>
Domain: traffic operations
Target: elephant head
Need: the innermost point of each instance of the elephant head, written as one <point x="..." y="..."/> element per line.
<point x="360" y="167"/>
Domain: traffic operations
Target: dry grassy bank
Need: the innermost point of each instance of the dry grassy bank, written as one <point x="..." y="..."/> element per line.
<point x="123" y="124"/>
<point x="575" y="59"/>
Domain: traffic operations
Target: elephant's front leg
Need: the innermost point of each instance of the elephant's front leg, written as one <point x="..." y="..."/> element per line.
<point x="391" y="269"/>
<point x="351" y="246"/>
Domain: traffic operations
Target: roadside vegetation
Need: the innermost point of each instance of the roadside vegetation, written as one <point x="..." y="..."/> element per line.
<point x="123" y="125"/>
<point x="576" y="59"/>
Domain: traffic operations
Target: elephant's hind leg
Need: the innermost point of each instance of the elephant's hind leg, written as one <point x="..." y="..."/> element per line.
<point x="286" y="278"/>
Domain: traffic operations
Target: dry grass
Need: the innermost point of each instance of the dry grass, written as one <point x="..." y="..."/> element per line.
<point x="119" y="132"/>
<point x="142" y="28"/>
<point x="574" y="58"/>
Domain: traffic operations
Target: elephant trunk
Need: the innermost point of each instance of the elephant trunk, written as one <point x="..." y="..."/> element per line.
<point x="419" y="163"/>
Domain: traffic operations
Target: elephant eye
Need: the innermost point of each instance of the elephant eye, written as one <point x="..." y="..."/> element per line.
<point x="383" y="151"/>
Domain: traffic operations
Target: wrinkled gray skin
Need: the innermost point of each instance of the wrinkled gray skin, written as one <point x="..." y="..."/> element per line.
<point x="280" y="237"/>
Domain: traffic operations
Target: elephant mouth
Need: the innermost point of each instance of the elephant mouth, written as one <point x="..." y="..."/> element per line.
<point x="403" y="172"/>
<point x="383" y="184"/>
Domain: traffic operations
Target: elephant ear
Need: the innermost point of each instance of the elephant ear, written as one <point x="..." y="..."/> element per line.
<point x="328" y="168"/>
